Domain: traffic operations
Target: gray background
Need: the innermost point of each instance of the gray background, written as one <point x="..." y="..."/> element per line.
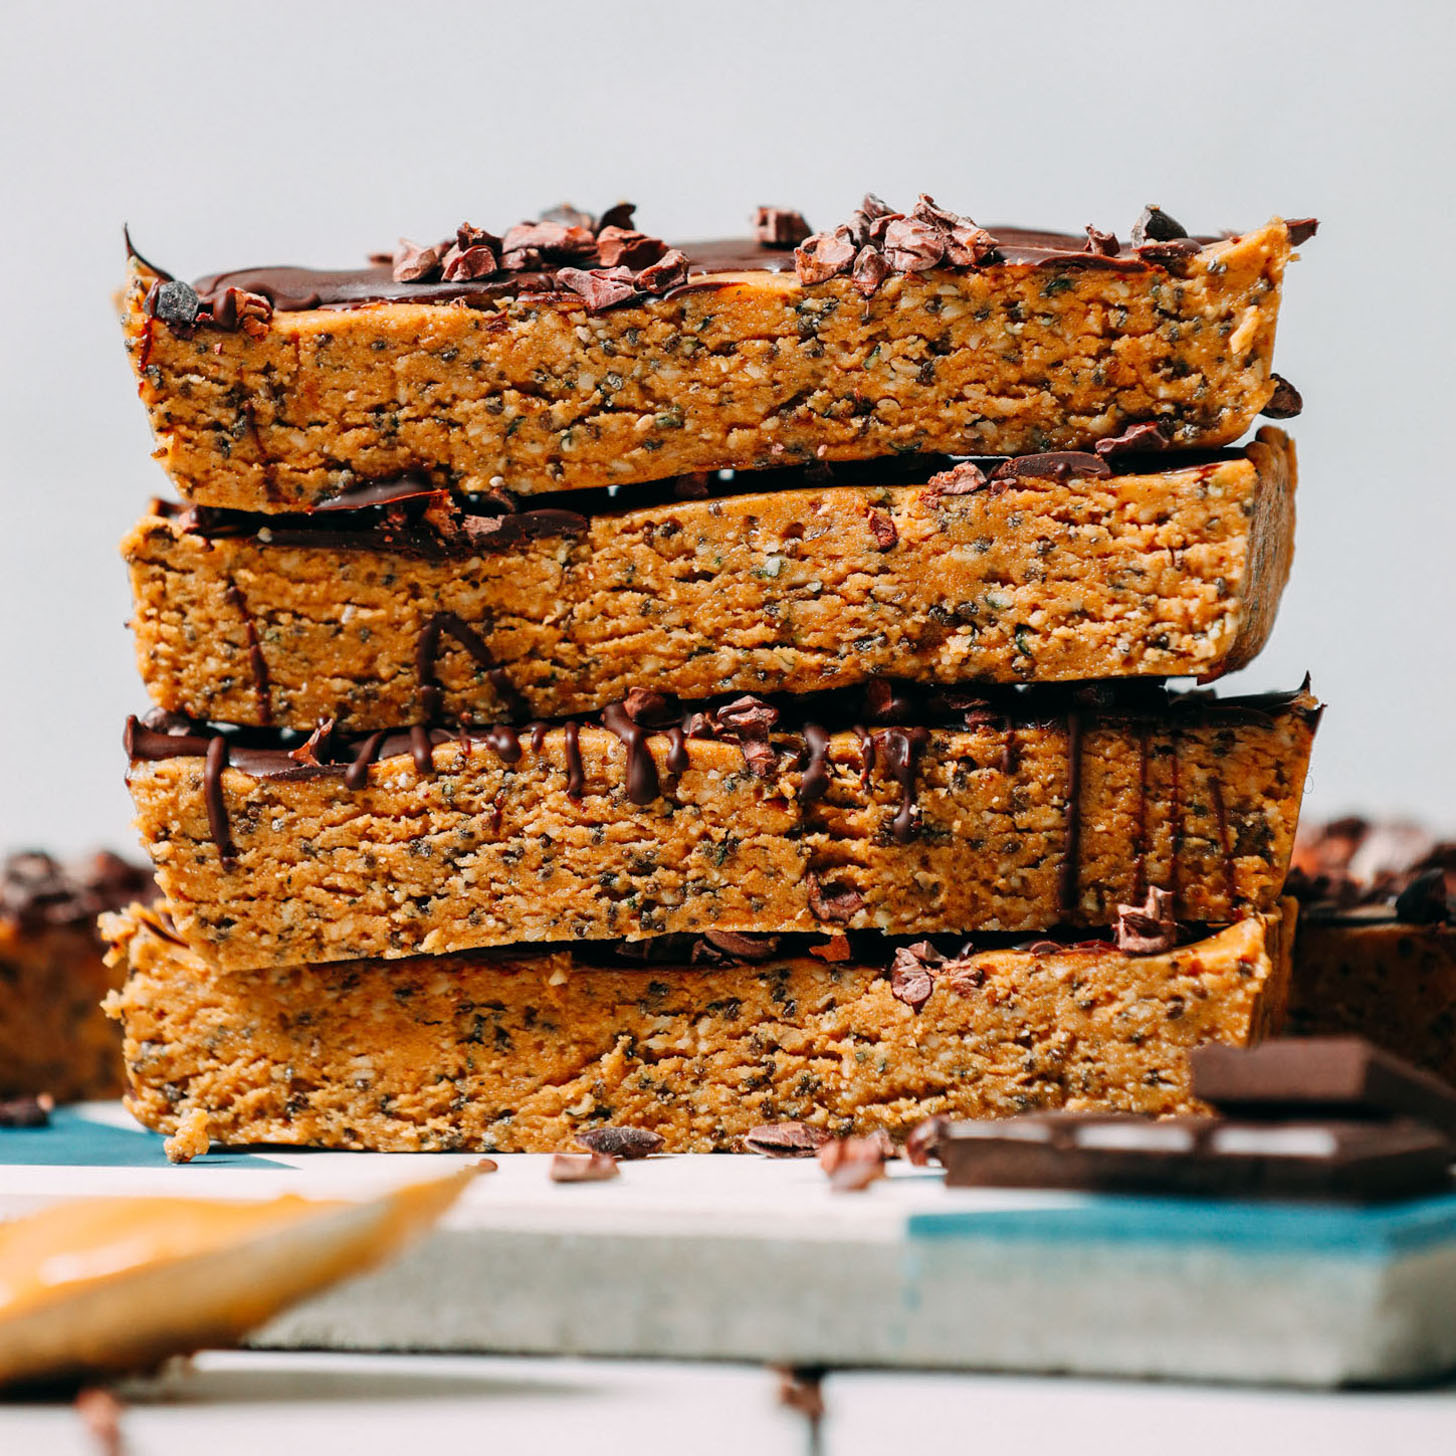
<point x="313" y="132"/>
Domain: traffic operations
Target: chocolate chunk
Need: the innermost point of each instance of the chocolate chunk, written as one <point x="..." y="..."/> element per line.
<point x="464" y="263"/>
<point x="1285" y="403"/>
<point x="553" y="241"/>
<point x="602" y="288"/>
<point x="963" y="479"/>
<point x="1149" y="928"/>
<point x="779" y="227"/>
<point x="912" y="973"/>
<point x="594" y="1168"/>
<point x="965" y="245"/>
<point x="760" y="757"/>
<point x="26" y="1111"/>
<point x="742" y="945"/>
<point x="882" y="528"/>
<point x="853" y="1163"/>
<point x="835" y="902"/>
<point x="1059" y="465"/>
<point x="875" y="207"/>
<point x="236" y="308"/>
<point x="414" y="264"/>
<point x="1301" y="229"/>
<point x="1343" y="1077"/>
<point x="913" y="246"/>
<point x="1134" y="439"/>
<point x="1203" y="1156"/>
<point x="869" y="271"/>
<point x="785" y="1140"/>
<point x="923" y="1144"/>
<point x="654" y="709"/>
<point x="572" y="217"/>
<point x="308" y="752"/>
<point x="626" y="248"/>
<point x="176" y="304"/>
<point x="746" y="717"/>
<point x="1423" y="901"/>
<point x="1155" y="226"/>
<point x="619" y="215"/>
<point x="669" y="271"/>
<point x="825" y="255"/>
<point x="625" y="1143"/>
<point x="1168" y="255"/>
<point x="1101" y="244"/>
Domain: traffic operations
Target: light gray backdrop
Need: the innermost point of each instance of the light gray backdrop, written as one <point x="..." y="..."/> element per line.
<point x="230" y="134"/>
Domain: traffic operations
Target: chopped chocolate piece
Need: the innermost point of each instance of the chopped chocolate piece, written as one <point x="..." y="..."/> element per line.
<point x="1203" y="1156"/>
<point x="963" y="479"/>
<point x="1155" y="226"/>
<point x="308" y="752"/>
<point x="625" y="1143"/>
<point x="594" y="1168"/>
<point x="965" y="245"/>
<point x="601" y="287"/>
<point x="785" y="1140"/>
<point x="26" y="1111"/>
<point x="236" y="308"/>
<point x="1135" y="438"/>
<point x="1058" y="465"/>
<point x="1338" y="1076"/>
<point x="833" y="901"/>
<point x="742" y="945"/>
<point x="1179" y="250"/>
<point x="923" y="1144"/>
<point x="554" y="241"/>
<point x="573" y="217"/>
<point x="1286" y="401"/>
<point x="1102" y="244"/>
<point x="619" y="215"/>
<point x="176" y="304"/>
<point x="653" y="709"/>
<point x="627" y="248"/>
<point x="414" y="264"/>
<point x="912" y="973"/>
<point x="779" y="227"/>
<point x="882" y="528"/>
<point x="869" y="271"/>
<point x="913" y="246"/>
<point x="853" y="1163"/>
<point x="473" y="262"/>
<point x="747" y="717"/>
<point x="667" y="272"/>
<point x="1423" y="901"/>
<point x="1301" y="229"/>
<point x="875" y="207"/>
<point x="825" y="255"/>
<point x="1149" y="928"/>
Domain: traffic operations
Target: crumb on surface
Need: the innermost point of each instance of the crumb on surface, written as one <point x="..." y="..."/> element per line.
<point x="191" y="1140"/>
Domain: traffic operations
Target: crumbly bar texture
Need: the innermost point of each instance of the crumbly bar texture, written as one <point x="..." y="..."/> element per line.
<point x="536" y="392"/>
<point x="1369" y="974"/>
<point x="520" y="1053"/>
<point x="994" y="826"/>
<point x="1170" y="573"/>
<point x="54" y="1037"/>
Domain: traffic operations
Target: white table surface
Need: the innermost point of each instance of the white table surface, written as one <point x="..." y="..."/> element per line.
<point x="245" y="1403"/>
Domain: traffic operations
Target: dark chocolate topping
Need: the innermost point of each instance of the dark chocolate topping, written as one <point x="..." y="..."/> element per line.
<point x="38" y="891"/>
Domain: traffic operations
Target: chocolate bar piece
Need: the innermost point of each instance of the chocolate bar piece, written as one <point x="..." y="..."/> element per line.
<point x="278" y="389"/>
<point x="1202" y="1156"/>
<point x="1342" y="1077"/>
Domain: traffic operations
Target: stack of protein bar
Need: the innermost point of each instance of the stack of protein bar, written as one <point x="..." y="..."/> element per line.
<point x="708" y="690"/>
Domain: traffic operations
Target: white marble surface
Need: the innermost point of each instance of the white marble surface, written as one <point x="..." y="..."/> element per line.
<point x="244" y="1404"/>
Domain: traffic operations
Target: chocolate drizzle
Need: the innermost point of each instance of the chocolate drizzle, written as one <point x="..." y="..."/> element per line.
<point x="238" y="603"/>
<point x="215" y="761"/>
<point x="356" y="776"/>
<point x="1071" y="875"/>
<point x="422" y="750"/>
<point x="815" y="782"/>
<point x="642" y="782"/>
<point x="575" y="776"/>
<point x="505" y="741"/>
<point x="678" y="761"/>
<point x="903" y="748"/>
<point x="427" y="647"/>
<point x="866" y="755"/>
<point x="1225" y="849"/>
